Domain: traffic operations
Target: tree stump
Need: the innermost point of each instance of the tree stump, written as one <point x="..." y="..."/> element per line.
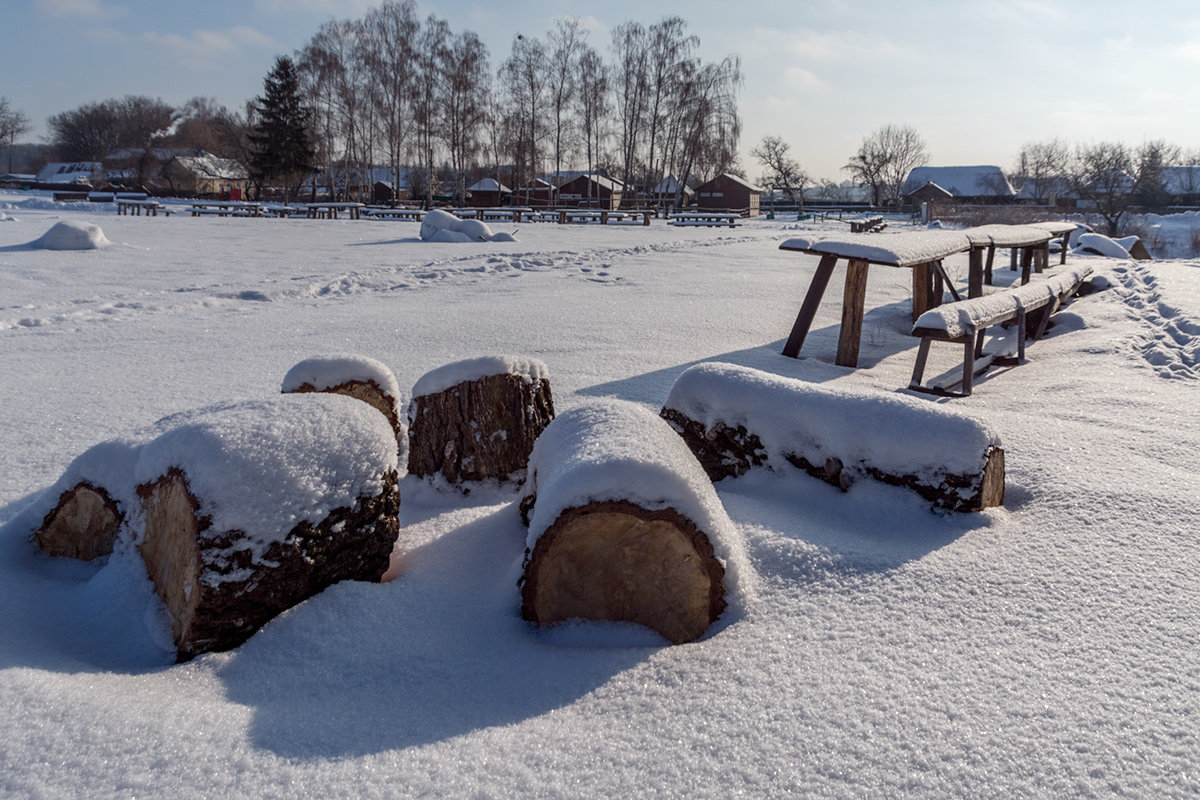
<point x="359" y="377"/>
<point x="482" y="426"/>
<point x="624" y="527"/>
<point x="218" y="594"/>
<point x="83" y="524"/>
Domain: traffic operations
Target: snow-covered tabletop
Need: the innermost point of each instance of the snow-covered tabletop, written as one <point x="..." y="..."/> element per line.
<point x="900" y="249"/>
<point x="1007" y="235"/>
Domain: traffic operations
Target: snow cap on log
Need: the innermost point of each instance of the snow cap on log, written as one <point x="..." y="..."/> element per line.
<point x="262" y="467"/>
<point x="743" y="416"/>
<point x="355" y="376"/>
<point x="618" y="451"/>
<point x="472" y="369"/>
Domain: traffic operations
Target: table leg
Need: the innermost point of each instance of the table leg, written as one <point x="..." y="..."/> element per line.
<point x="808" y="309"/>
<point x="1062" y="258"/>
<point x="1026" y="263"/>
<point x="975" y="273"/>
<point x="987" y="267"/>
<point x="854" y="298"/>
<point x="922" y="290"/>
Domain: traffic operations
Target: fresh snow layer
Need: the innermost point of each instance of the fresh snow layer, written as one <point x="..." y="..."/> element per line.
<point x="895" y="248"/>
<point x="617" y="450"/>
<point x="472" y="369"/>
<point x="442" y="226"/>
<point x="325" y="372"/>
<point x="1007" y="235"/>
<point x="264" y="466"/>
<point x="967" y="316"/>
<point x="1103" y="245"/>
<point x="1043" y="649"/>
<point x="896" y="433"/>
<point x="72" y="235"/>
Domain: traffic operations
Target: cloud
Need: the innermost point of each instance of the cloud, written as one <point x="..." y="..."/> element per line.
<point x="1188" y="51"/>
<point x="325" y="8"/>
<point x="83" y="9"/>
<point x="205" y="48"/>
<point x="800" y="78"/>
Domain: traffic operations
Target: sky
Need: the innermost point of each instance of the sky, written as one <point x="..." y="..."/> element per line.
<point x="977" y="78"/>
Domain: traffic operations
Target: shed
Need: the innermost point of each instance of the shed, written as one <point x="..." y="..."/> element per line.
<point x="591" y="190"/>
<point x="666" y="190"/>
<point x="206" y="175"/>
<point x="64" y="174"/>
<point x="930" y="193"/>
<point x="729" y="192"/>
<point x="489" y="192"/>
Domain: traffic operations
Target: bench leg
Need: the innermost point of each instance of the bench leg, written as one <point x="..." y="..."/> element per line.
<point x="968" y="380"/>
<point x="919" y="368"/>
<point x="1020" y="335"/>
<point x="808" y="309"/>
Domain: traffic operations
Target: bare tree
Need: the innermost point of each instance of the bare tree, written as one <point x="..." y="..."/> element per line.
<point x="593" y="107"/>
<point x="711" y="125"/>
<point x="428" y="103"/>
<point x="465" y="72"/>
<point x="1103" y="174"/>
<point x="630" y="82"/>
<point x="1153" y="158"/>
<point x="884" y="160"/>
<point x="669" y="49"/>
<point x="1042" y="168"/>
<point x="782" y="171"/>
<point x="389" y="36"/>
<point x="566" y="43"/>
<point x="13" y="123"/>
<point x="524" y="78"/>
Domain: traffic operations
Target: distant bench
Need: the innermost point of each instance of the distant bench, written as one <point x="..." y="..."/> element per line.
<point x="137" y="207"/>
<point x="867" y="225"/>
<point x="408" y="214"/>
<point x="966" y="322"/>
<point x="693" y="219"/>
<point x="232" y="208"/>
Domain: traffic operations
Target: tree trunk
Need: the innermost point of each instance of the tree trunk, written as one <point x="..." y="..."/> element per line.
<point x="218" y="594"/>
<point x="368" y="392"/>
<point x="83" y="525"/>
<point x="617" y="561"/>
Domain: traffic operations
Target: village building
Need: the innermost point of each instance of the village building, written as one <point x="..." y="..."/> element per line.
<point x="729" y="193"/>
<point x="67" y="175"/>
<point x="489" y="192"/>
<point x="972" y="184"/>
<point x="205" y="175"/>
<point x="664" y="193"/>
<point x="591" y="190"/>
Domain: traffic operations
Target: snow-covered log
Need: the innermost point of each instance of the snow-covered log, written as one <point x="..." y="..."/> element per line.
<point x="478" y="419"/>
<point x="625" y="526"/>
<point x="734" y="417"/>
<point x="359" y="377"/>
<point x="252" y="507"/>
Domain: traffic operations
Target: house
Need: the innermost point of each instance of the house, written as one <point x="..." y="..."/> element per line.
<point x="1182" y="184"/>
<point x="932" y="194"/>
<point x="591" y="190"/>
<point x="64" y="175"/>
<point x="378" y="184"/>
<point x="1053" y="191"/>
<point x="976" y="184"/>
<point x="729" y="192"/>
<point x="206" y="175"/>
<point x="17" y="180"/>
<point x="664" y="193"/>
<point x="489" y="192"/>
<point x="537" y="192"/>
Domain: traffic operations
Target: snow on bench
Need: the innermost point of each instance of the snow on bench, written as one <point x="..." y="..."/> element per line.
<point x="625" y="526"/>
<point x="900" y="249"/>
<point x="734" y="418"/>
<point x="966" y="321"/>
<point x="1007" y="235"/>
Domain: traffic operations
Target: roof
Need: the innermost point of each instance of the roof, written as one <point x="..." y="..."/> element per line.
<point x="670" y="185"/>
<point x="735" y="179"/>
<point x="599" y="180"/>
<point x="934" y="187"/>
<point x="68" y="172"/>
<point x="211" y="167"/>
<point x="488" y="185"/>
<point x="977" y="181"/>
<point x="1181" y="180"/>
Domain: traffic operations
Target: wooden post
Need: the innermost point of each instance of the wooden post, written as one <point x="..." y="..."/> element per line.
<point x="975" y="273"/>
<point x="853" y="299"/>
<point x="922" y="290"/>
<point x="987" y="269"/>
<point x="1026" y="263"/>
<point x="1066" y="239"/>
<point x="808" y="309"/>
<point x="603" y="217"/>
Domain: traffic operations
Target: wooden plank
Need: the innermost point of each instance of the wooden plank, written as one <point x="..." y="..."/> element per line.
<point x="922" y="290"/>
<point x="854" y="298"/>
<point x="975" y="273"/>
<point x="987" y="268"/>
<point x="808" y="309"/>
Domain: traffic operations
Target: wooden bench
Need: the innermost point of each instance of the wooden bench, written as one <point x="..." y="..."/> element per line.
<point x="701" y="219"/>
<point x="137" y="207"/>
<point x="408" y="214"/>
<point x="70" y="197"/>
<point x="232" y="208"/>
<point x="867" y="225"/>
<point x="966" y="322"/>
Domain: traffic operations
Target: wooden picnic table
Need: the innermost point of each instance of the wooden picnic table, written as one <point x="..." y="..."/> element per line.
<point x="410" y="214"/>
<point x="1032" y="242"/>
<point x="920" y="251"/>
<point x="224" y="208"/>
<point x="1061" y="229"/>
<point x="137" y="207"/>
<point x="705" y="218"/>
<point x="331" y="210"/>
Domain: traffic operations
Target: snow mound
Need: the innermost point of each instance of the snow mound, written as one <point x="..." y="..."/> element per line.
<point x="442" y="226"/>
<point x="72" y="235"/>
<point x="263" y="467"/>
<point x="895" y="433"/>
<point x="325" y="372"/>
<point x="442" y="378"/>
<point x="616" y="450"/>
<point x="1102" y="245"/>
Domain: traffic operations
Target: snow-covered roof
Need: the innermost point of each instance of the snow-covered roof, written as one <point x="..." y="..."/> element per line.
<point x="488" y="185"/>
<point x="735" y="179"/>
<point x="934" y="186"/>
<point x="1182" y="180"/>
<point x="213" y="168"/>
<point x="68" y="172"/>
<point x="1058" y="187"/>
<point x="670" y="185"/>
<point x="976" y="181"/>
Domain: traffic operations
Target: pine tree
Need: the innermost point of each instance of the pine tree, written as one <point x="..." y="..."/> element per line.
<point x="282" y="149"/>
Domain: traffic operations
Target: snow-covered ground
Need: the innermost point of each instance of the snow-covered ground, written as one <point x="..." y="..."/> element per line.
<point x="1049" y="648"/>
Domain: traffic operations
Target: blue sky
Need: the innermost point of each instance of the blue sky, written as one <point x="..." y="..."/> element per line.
<point x="976" y="78"/>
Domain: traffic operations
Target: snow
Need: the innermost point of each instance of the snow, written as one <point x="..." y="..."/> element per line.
<point x="1043" y="649"/>
<point x="472" y="369"/>
<point x="442" y="226"/>
<point x="1102" y="245"/>
<point x="72" y="235"/>
<point x="617" y="450"/>
<point x="1007" y="235"/>
<point x="895" y="248"/>
<point x="264" y="466"/>
<point x="962" y="181"/>
<point x="326" y="372"/>
<point x="898" y="434"/>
